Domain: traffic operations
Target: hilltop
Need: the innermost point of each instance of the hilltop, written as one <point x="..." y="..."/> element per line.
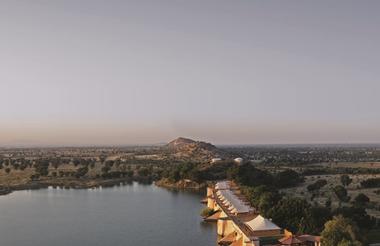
<point x="196" y="150"/>
<point x="186" y="144"/>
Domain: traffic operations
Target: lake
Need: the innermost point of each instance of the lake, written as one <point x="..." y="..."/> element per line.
<point x="128" y="215"/>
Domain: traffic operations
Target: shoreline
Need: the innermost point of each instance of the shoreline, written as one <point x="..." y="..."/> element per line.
<point x="183" y="184"/>
<point x="94" y="183"/>
<point x="65" y="183"/>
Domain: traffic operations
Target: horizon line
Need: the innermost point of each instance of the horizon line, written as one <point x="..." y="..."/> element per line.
<point x="20" y="146"/>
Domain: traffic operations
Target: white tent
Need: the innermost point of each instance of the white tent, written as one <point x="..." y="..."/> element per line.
<point x="222" y="185"/>
<point x="261" y="224"/>
<point x="233" y="202"/>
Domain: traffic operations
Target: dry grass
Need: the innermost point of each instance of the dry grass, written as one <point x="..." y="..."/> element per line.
<point x="373" y="165"/>
<point x="15" y="177"/>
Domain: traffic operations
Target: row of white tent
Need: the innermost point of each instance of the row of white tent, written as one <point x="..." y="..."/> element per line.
<point x="230" y="200"/>
<point x="236" y="205"/>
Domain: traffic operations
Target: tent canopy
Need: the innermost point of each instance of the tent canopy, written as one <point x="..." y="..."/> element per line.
<point x="261" y="224"/>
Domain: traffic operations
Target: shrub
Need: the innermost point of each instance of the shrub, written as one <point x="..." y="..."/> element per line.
<point x="341" y="193"/>
<point x="317" y="185"/>
<point x="371" y="183"/>
<point x="339" y="231"/>
<point x="206" y="212"/>
<point x="287" y="178"/>
<point x="361" y="199"/>
<point x="345" y="180"/>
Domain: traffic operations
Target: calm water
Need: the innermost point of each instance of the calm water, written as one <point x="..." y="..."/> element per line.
<point x="135" y="215"/>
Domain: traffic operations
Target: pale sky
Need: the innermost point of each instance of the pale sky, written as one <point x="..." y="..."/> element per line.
<point x="113" y="72"/>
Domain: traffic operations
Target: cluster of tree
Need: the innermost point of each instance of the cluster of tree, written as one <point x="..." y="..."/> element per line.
<point x="341" y="193"/>
<point x="249" y="175"/>
<point x="301" y="155"/>
<point x="358" y="215"/>
<point x="299" y="216"/>
<point x="42" y="167"/>
<point x="371" y="183"/>
<point x="317" y="185"/>
<point x="145" y="171"/>
<point x="17" y="164"/>
<point x="361" y="199"/>
<point x="217" y="172"/>
<point x="341" y="231"/>
<point x="187" y="170"/>
<point x="116" y="174"/>
<point x="81" y="171"/>
<point x="262" y="197"/>
<point x="35" y="177"/>
<point x="288" y="178"/>
<point x="64" y="173"/>
<point x="309" y="171"/>
<point x="80" y="161"/>
<point x="108" y="173"/>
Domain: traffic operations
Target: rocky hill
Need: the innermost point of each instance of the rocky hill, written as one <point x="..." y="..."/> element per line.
<point x="196" y="150"/>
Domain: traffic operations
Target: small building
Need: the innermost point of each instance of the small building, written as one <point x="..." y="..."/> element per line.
<point x="261" y="226"/>
<point x="239" y="160"/>
<point x="214" y="160"/>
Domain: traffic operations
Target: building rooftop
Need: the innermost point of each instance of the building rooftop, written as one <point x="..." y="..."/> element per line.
<point x="261" y="224"/>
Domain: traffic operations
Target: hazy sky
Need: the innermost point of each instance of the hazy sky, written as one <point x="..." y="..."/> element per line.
<point x="79" y="72"/>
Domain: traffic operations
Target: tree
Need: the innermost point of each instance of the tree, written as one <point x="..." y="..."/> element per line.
<point x="262" y="197"/>
<point x="345" y="180"/>
<point x="371" y="183"/>
<point x="266" y="201"/>
<point x="317" y="185"/>
<point x="317" y="217"/>
<point x="105" y="169"/>
<point x="287" y="178"/>
<point x="345" y="242"/>
<point x="328" y="203"/>
<point x="247" y="174"/>
<point x="76" y="162"/>
<point x="34" y="177"/>
<point x="361" y="199"/>
<point x="358" y="215"/>
<point x="341" y="193"/>
<point x="42" y="167"/>
<point x="175" y="175"/>
<point x="291" y="213"/>
<point x="195" y="175"/>
<point x="143" y="172"/>
<point x="129" y="173"/>
<point x="340" y="231"/>
<point x="81" y="172"/>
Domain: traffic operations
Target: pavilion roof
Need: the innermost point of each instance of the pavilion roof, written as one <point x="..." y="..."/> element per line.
<point x="261" y="224"/>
